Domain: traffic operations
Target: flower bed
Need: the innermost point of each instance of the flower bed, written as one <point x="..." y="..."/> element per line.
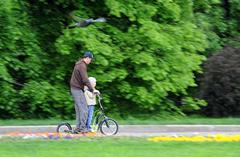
<point x="46" y="135"/>
<point x="210" y="138"/>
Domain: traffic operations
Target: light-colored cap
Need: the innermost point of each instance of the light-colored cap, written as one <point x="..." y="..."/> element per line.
<point x="92" y="80"/>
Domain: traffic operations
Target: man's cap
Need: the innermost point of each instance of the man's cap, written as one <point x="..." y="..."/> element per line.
<point x="88" y="54"/>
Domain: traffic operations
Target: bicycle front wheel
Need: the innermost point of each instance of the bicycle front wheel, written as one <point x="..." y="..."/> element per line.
<point x="108" y="127"/>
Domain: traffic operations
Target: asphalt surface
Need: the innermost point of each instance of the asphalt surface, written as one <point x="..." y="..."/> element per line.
<point x="141" y="130"/>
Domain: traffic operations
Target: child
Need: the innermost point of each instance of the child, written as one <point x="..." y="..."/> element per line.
<point x="91" y="100"/>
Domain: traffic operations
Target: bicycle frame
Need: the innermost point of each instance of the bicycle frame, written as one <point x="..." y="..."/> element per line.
<point x="99" y="114"/>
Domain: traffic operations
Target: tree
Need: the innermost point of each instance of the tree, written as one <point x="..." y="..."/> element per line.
<point x="220" y="83"/>
<point x="147" y="54"/>
<point x="147" y="51"/>
<point x="219" y="19"/>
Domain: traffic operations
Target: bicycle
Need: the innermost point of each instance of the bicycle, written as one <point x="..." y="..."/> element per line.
<point x="106" y="125"/>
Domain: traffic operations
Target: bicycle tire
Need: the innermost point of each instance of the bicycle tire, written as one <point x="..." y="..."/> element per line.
<point x="64" y="128"/>
<point x="106" y="125"/>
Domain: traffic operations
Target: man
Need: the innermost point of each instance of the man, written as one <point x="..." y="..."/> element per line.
<point x="79" y="79"/>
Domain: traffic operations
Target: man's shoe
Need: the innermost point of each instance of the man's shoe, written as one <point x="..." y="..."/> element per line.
<point x="85" y="131"/>
<point x="76" y="131"/>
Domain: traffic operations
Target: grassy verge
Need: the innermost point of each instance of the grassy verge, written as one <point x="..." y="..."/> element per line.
<point x="183" y="120"/>
<point x="131" y="120"/>
<point x="117" y="147"/>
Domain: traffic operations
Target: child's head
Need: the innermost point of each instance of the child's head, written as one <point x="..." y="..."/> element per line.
<point x="92" y="81"/>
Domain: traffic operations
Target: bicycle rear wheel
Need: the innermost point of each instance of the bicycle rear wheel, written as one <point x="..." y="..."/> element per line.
<point x="108" y="127"/>
<point x="64" y="128"/>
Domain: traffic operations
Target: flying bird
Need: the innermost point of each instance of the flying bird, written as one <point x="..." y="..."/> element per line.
<point x="87" y="22"/>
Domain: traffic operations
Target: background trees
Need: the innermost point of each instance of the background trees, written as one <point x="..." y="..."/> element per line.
<point x="147" y="54"/>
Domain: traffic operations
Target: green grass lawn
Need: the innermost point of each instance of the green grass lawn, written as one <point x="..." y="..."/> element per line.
<point x="131" y="120"/>
<point x="115" y="147"/>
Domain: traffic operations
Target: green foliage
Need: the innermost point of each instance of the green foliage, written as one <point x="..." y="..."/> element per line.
<point x="154" y="58"/>
<point x="190" y="104"/>
<point x="219" y="20"/>
<point x="41" y="100"/>
<point x="19" y="55"/>
<point x="147" y="52"/>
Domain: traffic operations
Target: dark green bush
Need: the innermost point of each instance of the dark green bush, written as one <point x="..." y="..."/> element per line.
<point x="220" y="86"/>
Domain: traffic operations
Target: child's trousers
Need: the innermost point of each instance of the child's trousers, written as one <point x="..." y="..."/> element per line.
<point x="90" y="115"/>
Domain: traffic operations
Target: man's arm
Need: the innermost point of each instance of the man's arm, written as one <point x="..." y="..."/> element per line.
<point x="84" y="75"/>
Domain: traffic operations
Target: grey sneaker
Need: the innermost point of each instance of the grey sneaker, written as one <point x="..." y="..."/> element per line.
<point x="91" y="130"/>
<point x="84" y="130"/>
<point x="76" y="131"/>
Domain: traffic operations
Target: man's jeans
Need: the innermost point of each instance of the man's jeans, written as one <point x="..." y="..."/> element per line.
<point x="81" y="108"/>
<point x="90" y="115"/>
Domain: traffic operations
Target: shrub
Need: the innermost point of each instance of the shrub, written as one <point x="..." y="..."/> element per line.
<point x="220" y="86"/>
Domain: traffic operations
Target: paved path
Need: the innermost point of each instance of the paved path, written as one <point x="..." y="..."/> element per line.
<point x="142" y="130"/>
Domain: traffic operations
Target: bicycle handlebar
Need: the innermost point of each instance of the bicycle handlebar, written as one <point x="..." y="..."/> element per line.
<point x="99" y="101"/>
<point x="99" y="96"/>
